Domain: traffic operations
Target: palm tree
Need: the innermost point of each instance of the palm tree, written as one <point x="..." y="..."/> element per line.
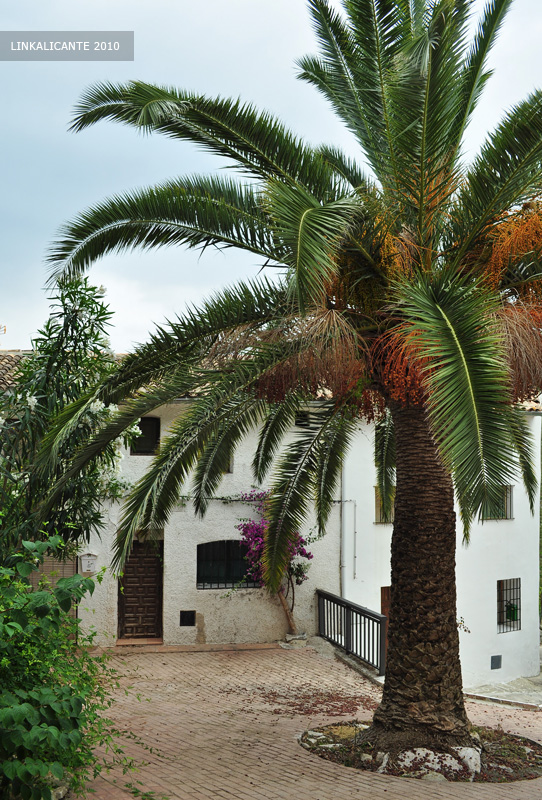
<point x="410" y="296"/>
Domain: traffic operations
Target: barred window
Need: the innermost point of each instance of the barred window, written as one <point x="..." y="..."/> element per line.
<point x="147" y="443"/>
<point x="509" y="605"/>
<point x="221" y="565"/>
<point x="380" y="517"/>
<point x="503" y="509"/>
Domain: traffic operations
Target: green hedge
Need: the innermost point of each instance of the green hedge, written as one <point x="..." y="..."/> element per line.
<point x="54" y="695"/>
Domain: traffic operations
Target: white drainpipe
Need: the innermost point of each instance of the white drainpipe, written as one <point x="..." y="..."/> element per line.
<point x="343" y="543"/>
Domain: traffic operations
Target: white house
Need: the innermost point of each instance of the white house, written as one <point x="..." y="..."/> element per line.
<point x="497" y="573"/>
<point x="169" y="593"/>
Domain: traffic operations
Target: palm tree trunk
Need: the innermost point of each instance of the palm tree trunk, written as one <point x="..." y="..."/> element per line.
<point x="292" y="627"/>
<point x="422" y="704"/>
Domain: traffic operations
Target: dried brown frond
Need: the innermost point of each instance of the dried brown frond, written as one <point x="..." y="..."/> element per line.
<point x="404" y="255"/>
<point x="399" y="369"/>
<point x="522" y="329"/>
<point x="234" y="344"/>
<point x="329" y="327"/>
<point x="329" y="358"/>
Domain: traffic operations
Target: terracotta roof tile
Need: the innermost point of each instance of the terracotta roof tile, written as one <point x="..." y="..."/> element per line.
<point x="9" y="361"/>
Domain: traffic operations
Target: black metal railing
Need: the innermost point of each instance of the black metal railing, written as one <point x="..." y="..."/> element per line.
<point x="359" y="631"/>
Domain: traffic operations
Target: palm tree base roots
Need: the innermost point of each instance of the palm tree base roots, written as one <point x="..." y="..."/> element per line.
<point x="394" y="740"/>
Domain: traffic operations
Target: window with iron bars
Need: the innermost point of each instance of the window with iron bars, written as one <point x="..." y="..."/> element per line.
<point x="221" y="565"/>
<point x="509" y="605"/>
<point x="380" y="517"/>
<point x="503" y="509"/>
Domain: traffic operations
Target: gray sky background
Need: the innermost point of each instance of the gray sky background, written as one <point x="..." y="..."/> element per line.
<point x="235" y="48"/>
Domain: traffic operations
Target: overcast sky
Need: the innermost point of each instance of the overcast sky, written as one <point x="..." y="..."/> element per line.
<point x="235" y="48"/>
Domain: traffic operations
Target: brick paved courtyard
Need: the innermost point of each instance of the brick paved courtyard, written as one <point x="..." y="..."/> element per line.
<point x="224" y="725"/>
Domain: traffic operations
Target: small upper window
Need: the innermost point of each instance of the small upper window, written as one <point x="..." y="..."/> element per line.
<point x="380" y="517"/>
<point x="302" y="419"/>
<point x="503" y="508"/>
<point x="147" y="443"/>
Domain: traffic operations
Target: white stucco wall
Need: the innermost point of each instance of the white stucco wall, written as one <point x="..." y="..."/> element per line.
<point x="246" y="615"/>
<point x="499" y="550"/>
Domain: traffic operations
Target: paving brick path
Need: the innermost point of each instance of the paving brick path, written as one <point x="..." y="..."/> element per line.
<point x="223" y="725"/>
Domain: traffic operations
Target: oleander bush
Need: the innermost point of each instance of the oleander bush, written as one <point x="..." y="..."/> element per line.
<point x="69" y="354"/>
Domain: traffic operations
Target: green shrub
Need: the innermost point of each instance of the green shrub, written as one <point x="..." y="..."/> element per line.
<point x="53" y="693"/>
<point x="69" y="355"/>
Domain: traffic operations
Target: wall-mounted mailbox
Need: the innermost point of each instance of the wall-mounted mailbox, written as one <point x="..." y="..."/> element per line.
<point x="88" y="562"/>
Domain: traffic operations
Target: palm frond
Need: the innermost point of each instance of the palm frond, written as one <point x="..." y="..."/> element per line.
<point x="385" y="462"/>
<point x="200" y="441"/>
<point x="153" y="497"/>
<point x="246" y="305"/>
<point x="215" y="386"/>
<point x="451" y="326"/>
<point x="506" y="173"/>
<point x="524" y="447"/>
<point x="474" y="74"/>
<point x="427" y="98"/>
<point x="258" y="144"/>
<point x="311" y="233"/>
<point x="131" y="411"/>
<point x="414" y="12"/>
<point x="347" y="168"/>
<point x="293" y="487"/>
<point x="334" y="443"/>
<point x="335" y="76"/>
<point x="175" y="354"/>
<point x="380" y="31"/>
<point x="197" y="212"/>
<point x="523" y="271"/>
<point x="279" y="419"/>
<point x="246" y="413"/>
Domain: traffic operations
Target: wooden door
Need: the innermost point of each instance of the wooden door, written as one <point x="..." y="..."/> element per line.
<point x="140" y="593"/>
<point x="385" y="600"/>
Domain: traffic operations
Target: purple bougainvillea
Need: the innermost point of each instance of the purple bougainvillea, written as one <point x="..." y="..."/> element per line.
<point x="253" y="537"/>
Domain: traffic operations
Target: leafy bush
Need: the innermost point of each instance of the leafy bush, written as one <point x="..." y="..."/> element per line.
<point x="53" y="694"/>
<point x="69" y="354"/>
